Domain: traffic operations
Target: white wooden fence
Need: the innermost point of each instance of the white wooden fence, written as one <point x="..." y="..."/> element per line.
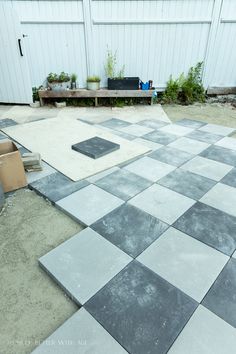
<point x="153" y="38"/>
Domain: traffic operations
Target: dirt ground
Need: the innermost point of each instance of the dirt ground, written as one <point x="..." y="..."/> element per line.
<point x="32" y="306"/>
<point x="222" y="114"/>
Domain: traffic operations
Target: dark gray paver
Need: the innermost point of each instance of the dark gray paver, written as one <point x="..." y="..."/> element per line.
<point x="4" y="123"/>
<point x="230" y="178"/>
<point x="204" y="136"/>
<point x="190" y="123"/>
<point x="211" y="226"/>
<point x="130" y="229"/>
<point x="221" y="297"/>
<point x="123" y="184"/>
<point x="152" y="123"/>
<point x="142" y="311"/>
<point x="95" y="147"/>
<point x="114" y="123"/>
<point x="2" y="136"/>
<point x="171" y="156"/>
<point x="220" y="154"/>
<point x="160" y="137"/>
<point x="56" y="186"/>
<point x="189" y="184"/>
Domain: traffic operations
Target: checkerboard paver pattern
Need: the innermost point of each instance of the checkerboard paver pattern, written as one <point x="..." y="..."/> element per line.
<point x="155" y="270"/>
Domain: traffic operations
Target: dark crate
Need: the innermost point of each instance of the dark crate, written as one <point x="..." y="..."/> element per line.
<point x="127" y="83"/>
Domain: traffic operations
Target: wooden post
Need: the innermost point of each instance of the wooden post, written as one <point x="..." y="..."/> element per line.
<point x="96" y="101"/>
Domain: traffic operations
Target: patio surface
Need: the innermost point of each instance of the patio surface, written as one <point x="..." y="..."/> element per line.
<point x="155" y="267"/>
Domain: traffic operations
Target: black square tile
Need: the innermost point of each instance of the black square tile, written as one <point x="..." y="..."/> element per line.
<point x="130" y="229"/>
<point x="190" y="123"/>
<point x="142" y="311"/>
<point x="56" y="186"/>
<point x="211" y="226"/>
<point x="95" y="147"/>
<point x="220" y="154"/>
<point x="230" y="178"/>
<point x="160" y="137"/>
<point x="187" y="183"/>
<point x="171" y="156"/>
<point x="221" y="297"/>
<point x="4" y="123"/>
<point x="115" y="123"/>
<point x="204" y="137"/>
<point x="123" y="184"/>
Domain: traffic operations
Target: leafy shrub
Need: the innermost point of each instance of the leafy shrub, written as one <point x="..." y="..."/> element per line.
<point x="63" y="77"/>
<point x="186" y="90"/>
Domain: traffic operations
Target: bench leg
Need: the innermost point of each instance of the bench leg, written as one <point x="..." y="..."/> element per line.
<point x="96" y="101"/>
<point x="41" y="100"/>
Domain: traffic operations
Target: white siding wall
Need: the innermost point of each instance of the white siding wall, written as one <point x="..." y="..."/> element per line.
<point x="153" y="38"/>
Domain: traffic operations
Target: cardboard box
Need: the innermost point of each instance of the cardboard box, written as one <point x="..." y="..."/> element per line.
<point x="12" y="173"/>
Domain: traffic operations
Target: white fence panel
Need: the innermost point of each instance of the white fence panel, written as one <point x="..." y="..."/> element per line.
<point x="153" y="38"/>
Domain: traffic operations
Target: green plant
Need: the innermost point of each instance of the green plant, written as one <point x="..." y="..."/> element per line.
<point x="93" y="79"/>
<point x="110" y="66"/>
<point x="63" y="77"/>
<point x="52" y="77"/>
<point x="73" y="78"/>
<point x="35" y="93"/>
<point x="186" y="90"/>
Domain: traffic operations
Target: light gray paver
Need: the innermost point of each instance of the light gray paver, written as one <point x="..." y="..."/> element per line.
<point x="162" y="203"/>
<point x="185" y="262"/>
<point x="80" y="334"/>
<point x="176" y="129"/>
<point x="84" y="264"/>
<point x="149" y="168"/>
<point x="89" y="204"/>
<point x="189" y="145"/>
<point x="136" y="130"/>
<point x="217" y="129"/>
<point x="228" y="143"/>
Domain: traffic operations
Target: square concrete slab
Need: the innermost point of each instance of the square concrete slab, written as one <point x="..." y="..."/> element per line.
<point x="228" y="143"/>
<point x="148" y="143"/>
<point x="34" y="176"/>
<point x="189" y="145"/>
<point x="185" y="262"/>
<point x="160" y="137"/>
<point x="89" y="204"/>
<point x="115" y="123"/>
<point x="171" y="156"/>
<point x="4" y="123"/>
<point x="187" y="183"/>
<point x="151" y="123"/>
<point x="221" y="297"/>
<point x="204" y="136"/>
<point x="130" y="229"/>
<point x="220" y="154"/>
<point x="207" y="168"/>
<point x="162" y="203"/>
<point x="142" y="311"/>
<point x="190" y="123"/>
<point x="56" y="186"/>
<point x="176" y="129"/>
<point x="217" y="129"/>
<point x="95" y="147"/>
<point x="149" y="168"/>
<point x="205" y="333"/>
<point x="123" y="184"/>
<point x="84" y="264"/>
<point x="82" y="334"/>
<point x="222" y="197"/>
<point x="211" y="226"/>
<point x="230" y="178"/>
<point x="136" y="130"/>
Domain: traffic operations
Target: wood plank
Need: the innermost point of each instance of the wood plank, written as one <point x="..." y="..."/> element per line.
<point x="98" y="93"/>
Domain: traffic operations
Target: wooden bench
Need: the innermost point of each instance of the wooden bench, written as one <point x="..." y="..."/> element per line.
<point x="102" y="93"/>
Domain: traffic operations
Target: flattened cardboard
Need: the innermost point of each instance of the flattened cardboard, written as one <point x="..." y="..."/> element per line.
<point x="12" y="173"/>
